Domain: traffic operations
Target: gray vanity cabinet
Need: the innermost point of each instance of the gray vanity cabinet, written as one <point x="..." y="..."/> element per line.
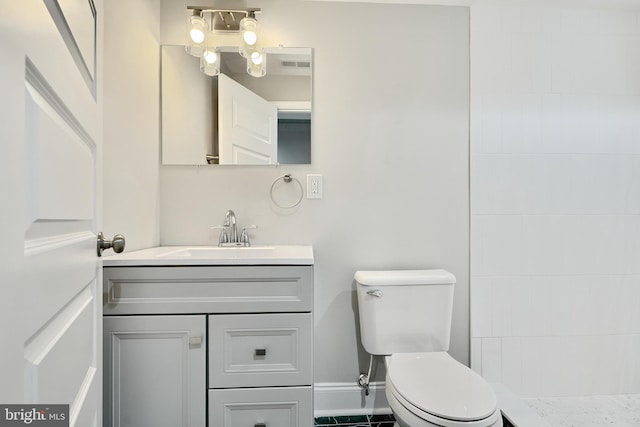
<point x="192" y="346"/>
<point x="153" y="369"/>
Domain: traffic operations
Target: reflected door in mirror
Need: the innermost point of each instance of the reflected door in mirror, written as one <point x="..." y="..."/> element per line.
<point x="193" y="116"/>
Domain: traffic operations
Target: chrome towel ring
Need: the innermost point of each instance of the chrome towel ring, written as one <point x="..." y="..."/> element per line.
<point x="286" y="178"/>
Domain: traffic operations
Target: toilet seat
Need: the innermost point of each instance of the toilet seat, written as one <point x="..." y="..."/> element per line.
<point x="438" y="389"/>
<point x="414" y="417"/>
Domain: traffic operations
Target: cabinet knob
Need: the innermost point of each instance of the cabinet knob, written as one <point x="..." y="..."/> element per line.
<point x="260" y="352"/>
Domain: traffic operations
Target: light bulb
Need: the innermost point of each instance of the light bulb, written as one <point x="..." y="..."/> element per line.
<point x="197" y="35"/>
<point x="250" y="37"/>
<point x="256" y="64"/>
<point x="210" y="56"/>
<point x="256" y="58"/>
<point x="197" y="27"/>
<point x="209" y="63"/>
<point x="249" y="29"/>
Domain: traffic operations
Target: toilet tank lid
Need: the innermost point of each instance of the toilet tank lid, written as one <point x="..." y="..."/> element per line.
<point x="404" y="277"/>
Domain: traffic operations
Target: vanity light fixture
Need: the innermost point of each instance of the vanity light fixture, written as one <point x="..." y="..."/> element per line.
<point x="249" y="29"/>
<point x="256" y="64"/>
<point x="213" y="30"/>
<point x="209" y="63"/>
<point x="197" y="34"/>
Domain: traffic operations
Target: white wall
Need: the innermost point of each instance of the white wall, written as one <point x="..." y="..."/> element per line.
<point x="555" y="199"/>
<point x="390" y="135"/>
<point x="555" y="206"/>
<point x="131" y="122"/>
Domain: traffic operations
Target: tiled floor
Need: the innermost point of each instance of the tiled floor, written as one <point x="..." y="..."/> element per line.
<point x="595" y="411"/>
<point x="356" y="421"/>
<point x="365" y="421"/>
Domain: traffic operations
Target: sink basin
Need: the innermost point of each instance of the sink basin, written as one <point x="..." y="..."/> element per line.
<point x="214" y="255"/>
<point x="217" y="252"/>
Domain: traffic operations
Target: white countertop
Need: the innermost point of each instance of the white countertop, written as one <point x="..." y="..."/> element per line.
<point x="213" y="255"/>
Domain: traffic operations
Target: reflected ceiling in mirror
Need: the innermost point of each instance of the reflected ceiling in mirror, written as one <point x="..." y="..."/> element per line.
<point x="235" y="118"/>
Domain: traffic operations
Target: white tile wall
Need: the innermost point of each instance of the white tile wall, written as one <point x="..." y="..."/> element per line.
<point x="555" y="199"/>
<point x="512" y="369"/>
<point x="492" y="359"/>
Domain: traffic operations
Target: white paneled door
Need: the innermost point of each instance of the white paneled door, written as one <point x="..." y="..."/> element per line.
<point x="248" y="126"/>
<point x="50" y="130"/>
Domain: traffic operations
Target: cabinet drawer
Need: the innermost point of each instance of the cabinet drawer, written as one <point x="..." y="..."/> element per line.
<point x="262" y="407"/>
<point x="219" y="289"/>
<point x="255" y="350"/>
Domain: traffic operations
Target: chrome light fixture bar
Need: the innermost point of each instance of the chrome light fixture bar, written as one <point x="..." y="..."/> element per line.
<point x="210" y="30"/>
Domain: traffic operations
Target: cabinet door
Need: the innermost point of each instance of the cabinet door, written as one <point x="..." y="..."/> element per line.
<point x="154" y="371"/>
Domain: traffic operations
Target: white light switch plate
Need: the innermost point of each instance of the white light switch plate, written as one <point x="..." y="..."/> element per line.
<point x="314" y="186"/>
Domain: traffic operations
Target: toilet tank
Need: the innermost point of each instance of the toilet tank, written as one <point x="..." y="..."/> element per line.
<point x="405" y="311"/>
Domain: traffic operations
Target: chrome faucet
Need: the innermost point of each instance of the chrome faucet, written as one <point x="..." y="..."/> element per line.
<point x="229" y="233"/>
<point x="230" y="221"/>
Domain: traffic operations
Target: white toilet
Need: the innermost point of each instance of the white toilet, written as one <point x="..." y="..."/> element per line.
<point x="406" y="316"/>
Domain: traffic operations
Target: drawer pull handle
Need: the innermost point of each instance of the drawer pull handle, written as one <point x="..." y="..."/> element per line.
<point x="195" y="340"/>
<point x="260" y="352"/>
<point x="260" y="425"/>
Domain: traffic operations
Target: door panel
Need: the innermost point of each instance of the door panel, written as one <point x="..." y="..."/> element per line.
<point x="56" y="374"/>
<point x="77" y="25"/>
<point x="58" y="269"/>
<point x="51" y="121"/>
<point x="59" y="152"/>
<point x="61" y="350"/>
<point x="248" y="125"/>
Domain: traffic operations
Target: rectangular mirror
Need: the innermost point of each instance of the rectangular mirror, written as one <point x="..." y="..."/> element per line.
<point x="234" y="118"/>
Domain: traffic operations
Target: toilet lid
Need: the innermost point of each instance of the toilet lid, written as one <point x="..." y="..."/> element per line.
<point x="436" y="383"/>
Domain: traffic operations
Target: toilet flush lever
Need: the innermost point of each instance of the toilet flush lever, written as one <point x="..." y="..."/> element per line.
<point x="377" y="293"/>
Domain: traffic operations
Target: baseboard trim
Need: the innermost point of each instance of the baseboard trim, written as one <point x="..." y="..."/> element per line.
<point x="330" y="399"/>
